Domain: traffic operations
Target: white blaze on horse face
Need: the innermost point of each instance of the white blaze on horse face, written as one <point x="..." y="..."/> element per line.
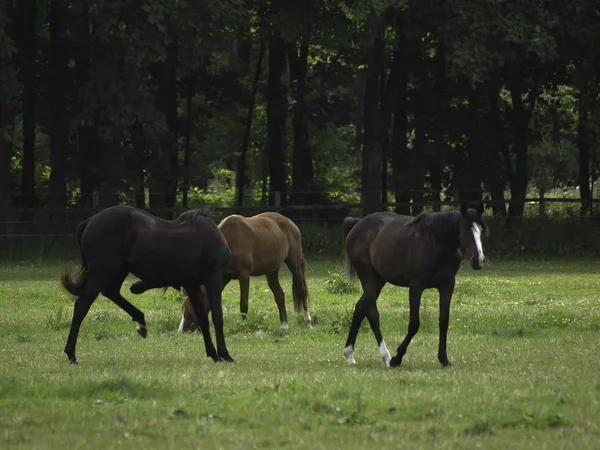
<point x="182" y="322"/>
<point x="385" y="354"/>
<point x="349" y="354"/>
<point x="140" y="327"/>
<point x="477" y="236"/>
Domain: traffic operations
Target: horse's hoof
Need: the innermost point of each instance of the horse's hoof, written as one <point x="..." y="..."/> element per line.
<point x="395" y="362"/>
<point x="74" y="362"/>
<point x="142" y="331"/>
<point x="137" y="287"/>
<point x="226" y="358"/>
<point x="349" y="355"/>
<point x="447" y="365"/>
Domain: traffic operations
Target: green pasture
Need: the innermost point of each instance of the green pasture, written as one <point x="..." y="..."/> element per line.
<point x="524" y="340"/>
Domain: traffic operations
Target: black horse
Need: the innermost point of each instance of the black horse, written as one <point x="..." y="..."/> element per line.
<point x="187" y="252"/>
<point x="419" y="252"/>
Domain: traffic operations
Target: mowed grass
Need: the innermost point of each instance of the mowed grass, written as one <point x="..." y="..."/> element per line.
<point x="524" y="340"/>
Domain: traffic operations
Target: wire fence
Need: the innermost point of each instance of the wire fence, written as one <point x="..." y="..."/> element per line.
<point x="548" y="225"/>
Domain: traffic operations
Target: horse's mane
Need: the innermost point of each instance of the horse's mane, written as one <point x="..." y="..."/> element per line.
<point x="189" y="215"/>
<point x="441" y="226"/>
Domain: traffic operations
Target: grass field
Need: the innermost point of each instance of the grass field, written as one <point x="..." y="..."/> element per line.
<point x="524" y="340"/>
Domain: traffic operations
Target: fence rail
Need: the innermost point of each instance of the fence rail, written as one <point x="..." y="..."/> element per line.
<point x="38" y="222"/>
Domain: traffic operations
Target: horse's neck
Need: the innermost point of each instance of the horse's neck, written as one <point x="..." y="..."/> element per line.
<point x="445" y="229"/>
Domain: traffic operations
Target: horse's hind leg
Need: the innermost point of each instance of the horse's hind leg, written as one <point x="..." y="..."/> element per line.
<point x="414" y="323"/>
<point x="367" y="307"/>
<point x="193" y="292"/>
<point x="445" y="297"/>
<point x="112" y="291"/>
<point x="357" y="318"/>
<point x="80" y="310"/>
<point x="297" y="266"/>
<point x="273" y="282"/>
<point x="214" y="291"/>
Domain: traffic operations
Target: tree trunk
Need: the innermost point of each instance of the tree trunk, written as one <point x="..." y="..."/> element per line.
<point x="496" y="145"/>
<point x="276" y="117"/>
<point x="371" y="154"/>
<point x="110" y="155"/>
<point x="87" y="137"/>
<point x="378" y="115"/>
<point x="29" y="69"/>
<point x="187" y="150"/>
<point x="59" y="126"/>
<point x="399" y="153"/>
<point x="8" y="111"/>
<point x="171" y="136"/>
<point x="7" y="117"/>
<point x="87" y="162"/>
<point x="471" y="173"/>
<point x="417" y="169"/>
<point x="165" y="156"/>
<point x="384" y="174"/>
<point x="521" y="118"/>
<point x="583" y="141"/>
<point x="439" y="131"/>
<point x="240" y="175"/>
<point x="302" y="165"/>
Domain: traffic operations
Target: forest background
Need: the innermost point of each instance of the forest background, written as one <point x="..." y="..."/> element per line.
<point x="317" y="108"/>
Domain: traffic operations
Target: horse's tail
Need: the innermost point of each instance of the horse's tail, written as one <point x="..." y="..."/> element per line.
<point x="300" y="288"/>
<point x="75" y="287"/>
<point x="347" y="225"/>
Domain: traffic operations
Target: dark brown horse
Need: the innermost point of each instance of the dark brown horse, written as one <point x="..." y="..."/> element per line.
<point x="188" y="252"/>
<point x="259" y="245"/>
<point x="420" y="253"/>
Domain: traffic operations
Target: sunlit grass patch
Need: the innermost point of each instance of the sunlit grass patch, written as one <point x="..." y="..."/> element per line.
<point x="523" y="339"/>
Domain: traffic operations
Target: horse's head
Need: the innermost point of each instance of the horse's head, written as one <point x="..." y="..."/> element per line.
<point x="472" y="228"/>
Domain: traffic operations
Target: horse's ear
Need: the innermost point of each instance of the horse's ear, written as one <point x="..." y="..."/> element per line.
<point x="463" y="208"/>
<point x="480" y="208"/>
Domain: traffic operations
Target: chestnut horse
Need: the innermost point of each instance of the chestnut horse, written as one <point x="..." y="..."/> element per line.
<point x="420" y="253"/>
<point x="259" y="245"/>
<point x="187" y="252"/>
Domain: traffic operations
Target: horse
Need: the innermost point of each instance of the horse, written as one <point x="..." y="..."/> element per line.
<point x="259" y="245"/>
<point x="187" y="252"/>
<point x="421" y="252"/>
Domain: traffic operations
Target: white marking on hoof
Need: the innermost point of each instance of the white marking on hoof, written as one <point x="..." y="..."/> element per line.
<point x="349" y="354"/>
<point x="384" y="353"/>
<point x="477" y="236"/>
<point x="307" y="317"/>
<point x="284" y="325"/>
<point x="141" y="329"/>
<point x="181" y="324"/>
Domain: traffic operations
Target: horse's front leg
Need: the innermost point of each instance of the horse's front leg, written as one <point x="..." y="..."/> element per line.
<point x="244" y="280"/>
<point x="414" y="323"/>
<point x="445" y="298"/>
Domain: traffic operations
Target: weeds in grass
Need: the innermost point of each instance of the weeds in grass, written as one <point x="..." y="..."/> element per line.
<point x="58" y="321"/>
<point x="255" y="322"/>
<point x="543" y="419"/>
<point x="338" y="283"/>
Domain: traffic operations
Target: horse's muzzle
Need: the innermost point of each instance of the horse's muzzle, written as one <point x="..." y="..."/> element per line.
<point x="475" y="263"/>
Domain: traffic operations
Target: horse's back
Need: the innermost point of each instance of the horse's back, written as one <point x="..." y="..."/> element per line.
<point x="262" y="241"/>
<point x="380" y="242"/>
